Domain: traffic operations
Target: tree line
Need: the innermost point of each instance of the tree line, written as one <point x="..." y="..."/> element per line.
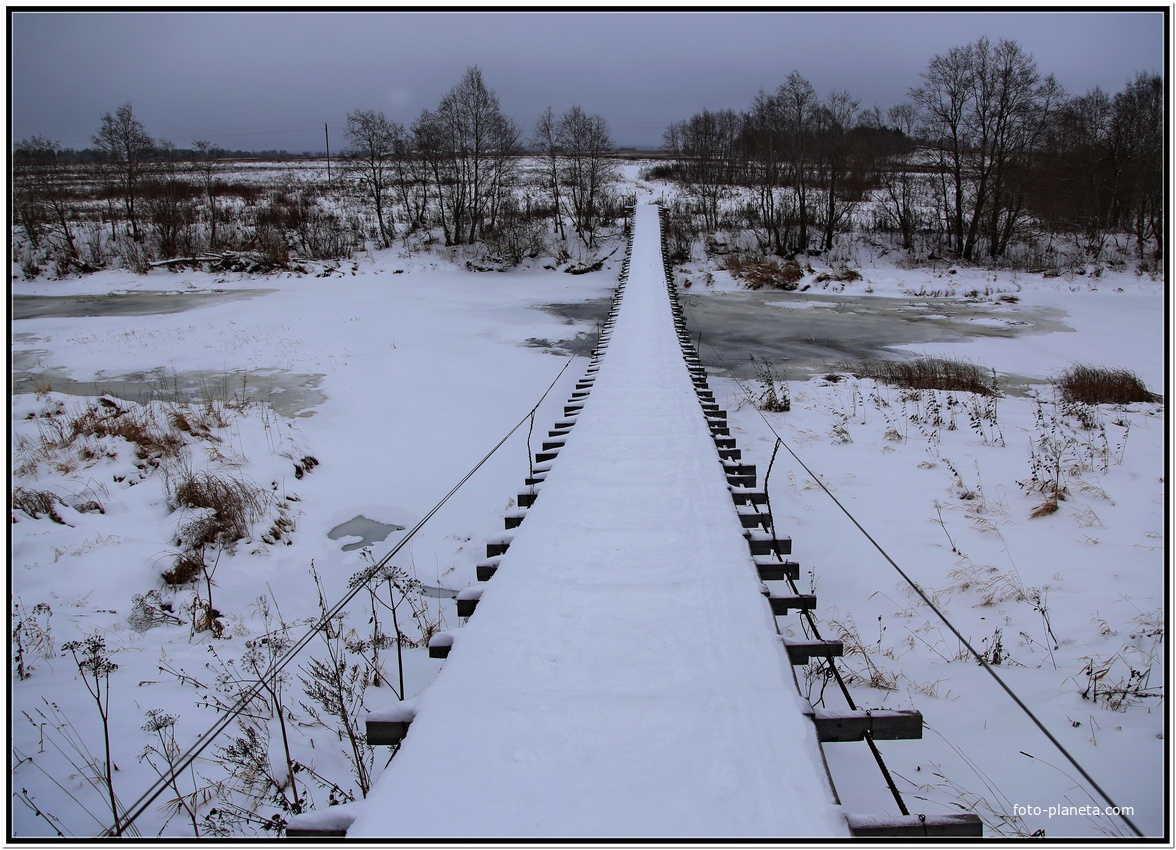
<point x="460" y="167"/>
<point x="459" y="170"/>
<point x="984" y="154"/>
<point x="985" y="151"/>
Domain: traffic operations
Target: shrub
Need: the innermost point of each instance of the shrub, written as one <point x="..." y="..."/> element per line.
<point x="233" y="504"/>
<point x="761" y="273"/>
<point x="773" y="395"/>
<point x="187" y="568"/>
<point x="841" y="275"/>
<point x="137" y="426"/>
<point x="517" y="235"/>
<point x="661" y="171"/>
<point x="1098" y="385"/>
<point x="927" y="373"/>
<point x="37" y="503"/>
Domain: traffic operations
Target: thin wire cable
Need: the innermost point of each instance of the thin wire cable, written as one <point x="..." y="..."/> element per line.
<point x="980" y="658"/>
<point x="140" y="806"/>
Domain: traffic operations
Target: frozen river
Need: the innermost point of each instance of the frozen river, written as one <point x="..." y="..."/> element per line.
<point x="800" y="334"/>
<point x="803" y="334"/>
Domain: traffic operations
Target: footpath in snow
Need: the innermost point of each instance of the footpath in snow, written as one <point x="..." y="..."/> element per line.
<point x="621" y="675"/>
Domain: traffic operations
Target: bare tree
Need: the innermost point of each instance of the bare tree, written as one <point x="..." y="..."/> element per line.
<point x="1012" y="104"/>
<point x="1099" y="170"/>
<point x="705" y="148"/>
<point x="586" y="169"/>
<point x="899" y="180"/>
<point x="985" y="108"/>
<point x="127" y="148"/>
<point x="411" y="179"/>
<point x="375" y="144"/>
<point x="834" y="121"/>
<point x="1138" y="122"/>
<point x="545" y="141"/>
<point x="943" y="101"/>
<point x="430" y="146"/>
<point x="1077" y="177"/>
<point x="473" y="149"/>
<point x="207" y="165"/>
<point x="41" y="193"/>
<point x="763" y="145"/>
<point x="167" y="202"/>
<point x="798" y="109"/>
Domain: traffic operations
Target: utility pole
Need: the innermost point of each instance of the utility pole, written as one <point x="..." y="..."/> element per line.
<point x="327" y="134"/>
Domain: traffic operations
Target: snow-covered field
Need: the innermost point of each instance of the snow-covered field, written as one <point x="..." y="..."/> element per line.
<point x="417" y="369"/>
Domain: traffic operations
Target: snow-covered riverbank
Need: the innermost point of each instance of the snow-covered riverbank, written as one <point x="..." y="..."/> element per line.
<point x="417" y="369"/>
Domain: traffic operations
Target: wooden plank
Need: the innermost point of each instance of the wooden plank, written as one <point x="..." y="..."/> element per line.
<point x="801" y="651"/>
<point x="741" y="480"/>
<point x="754" y="519"/>
<point x="440" y="644"/>
<point x="882" y="725"/>
<point x="386" y="732"/>
<point x="781" y="605"/>
<point x="764" y="544"/>
<point x="916" y="826"/>
<point x="770" y="570"/>
<point x="747" y="496"/>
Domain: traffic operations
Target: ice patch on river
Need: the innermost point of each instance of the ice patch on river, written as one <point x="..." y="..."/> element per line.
<point x="368" y="531"/>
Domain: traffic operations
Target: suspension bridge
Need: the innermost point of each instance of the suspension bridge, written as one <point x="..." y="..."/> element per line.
<point x="621" y="671"/>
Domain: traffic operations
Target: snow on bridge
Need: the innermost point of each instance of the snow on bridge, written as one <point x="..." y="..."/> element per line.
<point x="622" y="675"/>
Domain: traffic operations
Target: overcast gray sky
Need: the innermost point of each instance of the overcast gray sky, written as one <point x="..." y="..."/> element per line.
<point x="271" y="80"/>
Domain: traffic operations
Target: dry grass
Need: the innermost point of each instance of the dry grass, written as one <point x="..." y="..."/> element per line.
<point x="1098" y="385"/>
<point x="841" y="275"/>
<point x="766" y="273"/>
<point x="926" y="373"/>
<point x="37" y="503"/>
<point x="992" y="585"/>
<point x="774" y="396"/>
<point x="1046" y="508"/>
<point x="138" y="427"/>
<point x="231" y="505"/>
<point x="871" y="674"/>
<point x="187" y="568"/>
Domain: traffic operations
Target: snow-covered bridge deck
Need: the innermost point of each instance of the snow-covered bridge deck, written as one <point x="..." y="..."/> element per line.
<point x="622" y="675"/>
